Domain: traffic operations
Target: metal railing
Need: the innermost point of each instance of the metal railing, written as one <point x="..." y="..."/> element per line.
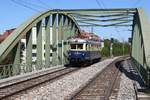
<point x="10" y="70"/>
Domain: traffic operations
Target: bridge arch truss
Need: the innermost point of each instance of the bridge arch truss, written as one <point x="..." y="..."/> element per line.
<point x="61" y="24"/>
<point x="50" y="31"/>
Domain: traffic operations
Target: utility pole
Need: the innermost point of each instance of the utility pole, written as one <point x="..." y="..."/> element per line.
<point x="111" y="47"/>
<point x="130" y="40"/>
<point x="91" y="29"/>
<point x="123" y="47"/>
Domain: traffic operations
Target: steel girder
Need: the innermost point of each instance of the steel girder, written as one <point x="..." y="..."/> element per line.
<point x="99" y="11"/>
<point x="140" y="45"/>
<point x="104" y="17"/>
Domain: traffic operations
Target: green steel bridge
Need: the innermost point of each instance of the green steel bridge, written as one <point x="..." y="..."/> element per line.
<point x="59" y="24"/>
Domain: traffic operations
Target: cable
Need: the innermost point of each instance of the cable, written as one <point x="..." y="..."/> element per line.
<point x="102" y="4"/>
<point x="29" y="5"/>
<point x="32" y="4"/>
<point x="45" y="4"/>
<point x="26" y="6"/>
<point x="99" y="4"/>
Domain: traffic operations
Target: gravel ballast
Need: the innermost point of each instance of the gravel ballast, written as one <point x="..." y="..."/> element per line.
<point x="63" y="87"/>
<point x="126" y="91"/>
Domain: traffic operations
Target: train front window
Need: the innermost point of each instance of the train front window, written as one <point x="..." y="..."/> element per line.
<point x="76" y="46"/>
<point x="73" y="46"/>
<point x="79" y="46"/>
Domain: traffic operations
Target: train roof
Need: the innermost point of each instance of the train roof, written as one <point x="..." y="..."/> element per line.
<point x="79" y="41"/>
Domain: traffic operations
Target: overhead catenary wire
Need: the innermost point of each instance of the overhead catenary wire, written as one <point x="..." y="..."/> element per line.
<point x="24" y="5"/>
<point x="99" y="4"/>
<point x="43" y="3"/>
<point x="31" y="6"/>
<point x="115" y="27"/>
<point x="102" y="3"/>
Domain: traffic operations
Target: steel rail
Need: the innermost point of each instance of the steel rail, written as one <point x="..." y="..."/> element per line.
<point x="104" y="87"/>
<point x="18" y="86"/>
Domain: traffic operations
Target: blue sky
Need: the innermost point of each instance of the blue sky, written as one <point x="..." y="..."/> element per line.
<point x="12" y="15"/>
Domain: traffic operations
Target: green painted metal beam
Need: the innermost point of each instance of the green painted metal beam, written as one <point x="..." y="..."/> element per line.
<point x="60" y="38"/>
<point x="93" y="25"/>
<point x="29" y="50"/>
<point x="65" y="31"/>
<point x="119" y="23"/>
<point x="99" y="11"/>
<point x="69" y="28"/>
<point x="65" y="26"/>
<point x="97" y="20"/>
<point x="54" y="39"/>
<point x="16" y="64"/>
<point x="106" y="20"/>
<point x="47" y="43"/>
<point x="73" y="29"/>
<point x="140" y="45"/>
<point x="39" y="45"/>
<point x="76" y="30"/>
<point x="103" y="16"/>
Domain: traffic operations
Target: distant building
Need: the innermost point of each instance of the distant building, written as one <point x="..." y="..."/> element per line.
<point x="6" y="34"/>
<point x="10" y="57"/>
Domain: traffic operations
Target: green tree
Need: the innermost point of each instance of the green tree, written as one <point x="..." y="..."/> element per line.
<point x="119" y="48"/>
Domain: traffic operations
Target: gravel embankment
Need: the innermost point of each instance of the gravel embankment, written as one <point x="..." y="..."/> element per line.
<point x="61" y="88"/>
<point x="126" y="91"/>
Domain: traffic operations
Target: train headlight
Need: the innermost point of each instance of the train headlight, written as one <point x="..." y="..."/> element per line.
<point x="69" y="54"/>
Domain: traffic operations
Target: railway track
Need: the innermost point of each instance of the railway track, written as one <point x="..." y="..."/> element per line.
<point x="7" y="90"/>
<point x="103" y="86"/>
